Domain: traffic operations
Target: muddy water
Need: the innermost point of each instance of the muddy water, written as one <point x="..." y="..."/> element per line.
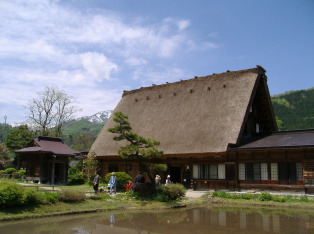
<point x="196" y="220"/>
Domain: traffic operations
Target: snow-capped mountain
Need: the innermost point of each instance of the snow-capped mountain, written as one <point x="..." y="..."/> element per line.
<point x="99" y="117"/>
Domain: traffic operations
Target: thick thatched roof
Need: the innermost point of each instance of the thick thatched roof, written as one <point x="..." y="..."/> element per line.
<point x="200" y="115"/>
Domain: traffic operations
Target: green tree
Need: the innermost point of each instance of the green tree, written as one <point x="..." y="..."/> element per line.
<point x="3" y="154"/>
<point x="139" y="148"/>
<point x="18" y="137"/>
<point x="83" y="141"/>
<point x="4" y="130"/>
<point x="90" y="165"/>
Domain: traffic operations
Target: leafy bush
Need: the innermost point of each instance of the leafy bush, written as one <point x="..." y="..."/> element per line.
<point x="9" y="170"/>
<point x="265" y="197"/>
<point x="122" y="179"/>
<point x="246" y="196"/>
<point x="30" y="197"/>
<point x="68" y="195"/>
<point x="11" y="195"/>
<point x="173" y="191"/>
<point x="21" y="172"/>
<point x="48" y="197"/>
<point x="75" y="176"/>
<point x="2" y="172"/>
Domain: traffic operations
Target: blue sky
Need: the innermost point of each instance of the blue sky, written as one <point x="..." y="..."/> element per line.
<point x="95" y="49"/>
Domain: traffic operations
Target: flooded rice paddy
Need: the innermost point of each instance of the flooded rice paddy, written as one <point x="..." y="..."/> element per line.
<point x="194" y="220"/>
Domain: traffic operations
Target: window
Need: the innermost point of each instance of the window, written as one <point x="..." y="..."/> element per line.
<point x="286" y="172"/>
<point x="209" y="171"/>
<point x="241" y="171"/>
<point x="253" y="171"/>
<point x="274" y="171"/>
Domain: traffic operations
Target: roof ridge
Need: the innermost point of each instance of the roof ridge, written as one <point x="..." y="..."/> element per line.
<point x="258" y="69"/>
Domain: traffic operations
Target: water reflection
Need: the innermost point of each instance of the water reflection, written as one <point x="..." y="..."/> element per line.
<point x="197" y="220"/>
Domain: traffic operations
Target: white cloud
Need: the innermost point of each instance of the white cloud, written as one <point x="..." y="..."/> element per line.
<point x="49" y="43"/>
<point x="98" y="65"/>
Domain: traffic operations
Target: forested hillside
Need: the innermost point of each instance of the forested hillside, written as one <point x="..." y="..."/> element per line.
<point x="294" y="109"/>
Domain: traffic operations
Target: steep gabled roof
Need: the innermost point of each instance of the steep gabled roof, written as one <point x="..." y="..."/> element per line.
<point x="50" y="145"/>
<point x="200" y="115"/>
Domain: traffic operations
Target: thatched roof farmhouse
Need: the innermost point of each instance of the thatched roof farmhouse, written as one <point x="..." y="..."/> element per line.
<point x="203" y="124"/>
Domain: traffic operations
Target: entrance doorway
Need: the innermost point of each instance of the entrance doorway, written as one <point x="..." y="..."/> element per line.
<point x="175" y="173"/>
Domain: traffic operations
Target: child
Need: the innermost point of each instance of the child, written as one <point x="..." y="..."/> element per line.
<point x="128" y="185"/>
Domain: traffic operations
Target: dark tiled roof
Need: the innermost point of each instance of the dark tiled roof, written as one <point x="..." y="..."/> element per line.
<point x="49" y="144"/>
<point x="281" y="139"/>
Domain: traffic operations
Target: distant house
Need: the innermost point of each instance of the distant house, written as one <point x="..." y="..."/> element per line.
<point x="46" y="160"/>
<point x="216" y="131"/>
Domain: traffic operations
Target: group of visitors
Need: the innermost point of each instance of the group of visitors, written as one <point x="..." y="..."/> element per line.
<point x="112" y="184"/>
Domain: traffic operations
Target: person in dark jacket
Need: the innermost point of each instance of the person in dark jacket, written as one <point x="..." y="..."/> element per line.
<point x="139" y="178"/>
<point x="96" y="182"/>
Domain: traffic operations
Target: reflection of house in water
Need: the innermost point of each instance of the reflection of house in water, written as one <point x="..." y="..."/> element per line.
<point x="205" y="220"/>
<point x="46" y="160"/>
<point x="217" y="132"/>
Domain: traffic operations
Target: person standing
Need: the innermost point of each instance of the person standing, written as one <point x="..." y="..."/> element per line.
<point x="157" y="180"/>
<point x="139" y="178"/>
<point x="96" y="182"/>
<point x="168" y="181"/>
<point x="113" y="183"/>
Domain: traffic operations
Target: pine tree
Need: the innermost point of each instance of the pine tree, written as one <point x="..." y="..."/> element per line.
<point x="139" y="148"/>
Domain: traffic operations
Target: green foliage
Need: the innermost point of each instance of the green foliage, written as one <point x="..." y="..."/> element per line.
<point x="158" y="168"/>
<point x="294" y="109"/>
<point x="261" y="197"/>
<point x="9" y="170"/>
<point x="77" y="127"/>
<point x="122" y="179"/>
<point x="173" y="191"/>
<point x="2" y="172"/>
<point x="4" y="130"/>
<point x="18" y="137"/>
<point x="68" y="195"/>
<point x="21" y="172"/>
<point x="139" y="146"/>
<point x="265" y="197"/>
<point x="304" y="199"/>
<point x="90" y="165"/>
<point x="11" y="195"/>
<point x="75" y="176"/>
<point x="48" y="197"/>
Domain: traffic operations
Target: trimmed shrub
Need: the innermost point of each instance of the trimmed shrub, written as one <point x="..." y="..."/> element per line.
<point x="68" y="195"/>
<point x="145" y="190"/>
<point x="11" y="195"/>
<point x="122" y="179"/>
<point x="21" y="173"/>
<point x="173" y="191"/>
<point x="9" y="170"/>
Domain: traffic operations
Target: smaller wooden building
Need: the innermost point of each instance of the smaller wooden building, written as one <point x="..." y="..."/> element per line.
<point x="46" y="160"/>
